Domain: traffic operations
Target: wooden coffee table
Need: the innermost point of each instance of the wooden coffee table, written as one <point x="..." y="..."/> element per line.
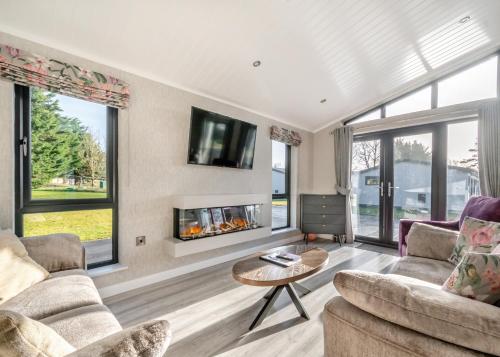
<point x="258" y="272"/>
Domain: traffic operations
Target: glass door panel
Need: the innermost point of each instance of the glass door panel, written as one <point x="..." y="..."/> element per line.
<point x="366" y="185"/>
<point x="411" y="185"/>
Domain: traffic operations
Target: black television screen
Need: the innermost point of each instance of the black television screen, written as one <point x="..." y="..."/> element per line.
<point x="217" y="140"/>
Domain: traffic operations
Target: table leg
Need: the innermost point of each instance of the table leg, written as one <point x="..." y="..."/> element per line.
<point x="296" y="300"/>
<point x="301" y="288"/>
<point x="269" y="293"/>
<point x="275" y="292"/>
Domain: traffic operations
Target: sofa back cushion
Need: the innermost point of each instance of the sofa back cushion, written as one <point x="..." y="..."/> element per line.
<point x="482" y="207"/>
<point x="21" y="336"/>
<point x="477" y="236"/>
<point x="431" y="242"/>
<point x="18" y="270"/>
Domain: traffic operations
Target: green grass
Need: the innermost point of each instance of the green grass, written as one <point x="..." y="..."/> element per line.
<point x="64" y="194"/>
<point x="280" y="202"/>
<point x="89" y="225"/>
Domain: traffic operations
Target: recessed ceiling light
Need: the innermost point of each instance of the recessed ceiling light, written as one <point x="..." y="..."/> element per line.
<point x="464" y="19"/>
<point x="322" y="100"/>
<point x="256" y="63"/>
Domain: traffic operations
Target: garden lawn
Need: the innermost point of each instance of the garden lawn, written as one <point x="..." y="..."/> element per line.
<point x="89" y="225"/>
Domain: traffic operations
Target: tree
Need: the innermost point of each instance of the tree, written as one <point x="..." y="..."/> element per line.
<point x="473" y="161"/>
<point x="54" y="139"/>
<point x="92" y="158"/>
<point x="367" y="153"/>
<point x="411" y="151"/>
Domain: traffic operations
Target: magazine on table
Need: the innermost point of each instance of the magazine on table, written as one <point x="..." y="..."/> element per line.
<point x="282" y="258"/>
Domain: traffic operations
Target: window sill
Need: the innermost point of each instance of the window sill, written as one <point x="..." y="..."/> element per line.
<point x="105" y="270"/>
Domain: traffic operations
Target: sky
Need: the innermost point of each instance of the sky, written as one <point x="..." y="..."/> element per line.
<point x="92" y="115"/>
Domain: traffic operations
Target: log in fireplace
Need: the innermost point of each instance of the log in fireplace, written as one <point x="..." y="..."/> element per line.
<point x="207" y="222"/>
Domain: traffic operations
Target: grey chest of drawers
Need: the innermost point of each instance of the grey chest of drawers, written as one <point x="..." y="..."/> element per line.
<point x="323" y="214"/>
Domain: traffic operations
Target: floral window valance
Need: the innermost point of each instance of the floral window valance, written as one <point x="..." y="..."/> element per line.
<point x="286" y="136"/>
<point x="33" y="70"/>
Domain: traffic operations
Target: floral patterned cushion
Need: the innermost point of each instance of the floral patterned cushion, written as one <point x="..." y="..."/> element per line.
<point x="477" y="276"/>
<point x="477" y="236"/>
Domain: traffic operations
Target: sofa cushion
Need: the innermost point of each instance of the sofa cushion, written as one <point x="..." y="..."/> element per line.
<point x="149" y="339"/>
<point x="24" y="337"/>
<point x="84" y="325"/>
<point x="61" y="292"/>
<point x="350" y="331"/>
<point x="477" y="276"/>
<point x="423" y="307"/>
<point x="18" y="270"/>
<point x="477" y="236"/>
<point x="428" y="241"/>
<point x="431" y="270"/>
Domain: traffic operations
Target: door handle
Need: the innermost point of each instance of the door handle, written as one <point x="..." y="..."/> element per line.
<point x="390" y="188"/>
<point x="24" y="143"/>
<point x="381" y="187"/>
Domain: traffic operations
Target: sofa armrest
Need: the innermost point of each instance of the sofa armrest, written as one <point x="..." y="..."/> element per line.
<point x="405" y="225"/>
<point x="56" y="252"/>
<point x="423" y="307"/>
<point x="431" y="242"/>
<point x="147" y="339"/>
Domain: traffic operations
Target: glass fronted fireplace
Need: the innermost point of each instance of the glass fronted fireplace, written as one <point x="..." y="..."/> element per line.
<point x="207" y="222"/>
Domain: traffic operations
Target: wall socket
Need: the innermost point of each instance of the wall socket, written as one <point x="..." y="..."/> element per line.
<point x="141" y="240"/>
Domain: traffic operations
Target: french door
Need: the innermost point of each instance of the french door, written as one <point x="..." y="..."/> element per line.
<point x="394" y="177"/>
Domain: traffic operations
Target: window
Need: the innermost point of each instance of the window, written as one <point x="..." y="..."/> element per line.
<point x="67" y="170"/>
<point x="421" y="197"/>
<point x="462" y="170"/>
<point x="281" y="185"/>
<point x="475" y="83"/>
<point x="371" y="180"/>
<point x="372" y="115"/>
<point x="414" y="102"/>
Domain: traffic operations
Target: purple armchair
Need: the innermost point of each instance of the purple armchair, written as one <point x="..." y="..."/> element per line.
<point x="480" y="207"/>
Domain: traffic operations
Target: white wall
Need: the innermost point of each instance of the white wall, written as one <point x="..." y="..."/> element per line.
<point x="153" y="140"/>
<point x="324" y="161"/>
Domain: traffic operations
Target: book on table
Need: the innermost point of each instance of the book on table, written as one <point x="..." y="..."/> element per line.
<point x="282" y="258"/>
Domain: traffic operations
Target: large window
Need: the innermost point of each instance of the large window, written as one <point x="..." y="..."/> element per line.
<point x="281" y="185"/>
<point x="66" y="167"/>
<point x="462" y="169"/>
<point x="476" y="82"/>
<point x="414" y="102"/>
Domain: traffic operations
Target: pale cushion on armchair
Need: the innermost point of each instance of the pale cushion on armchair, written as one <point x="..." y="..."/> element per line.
<point x="423" y="307"/>
<point x="17" y="270"/>
<point x="424" y="240"/>
<point x="23" y="337"/>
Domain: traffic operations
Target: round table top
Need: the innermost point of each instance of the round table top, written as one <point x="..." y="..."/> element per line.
<point x="258" y="272"/>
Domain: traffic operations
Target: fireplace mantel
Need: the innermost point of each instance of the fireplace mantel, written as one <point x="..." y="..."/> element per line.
<point x="220" y="200"/>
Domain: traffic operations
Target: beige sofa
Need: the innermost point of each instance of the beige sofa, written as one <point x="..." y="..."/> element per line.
<point x="69" y="303"/>
<point x="406" y="313"/>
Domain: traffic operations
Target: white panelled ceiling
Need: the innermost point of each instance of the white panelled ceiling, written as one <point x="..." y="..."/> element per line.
<point x="354" y="53"/>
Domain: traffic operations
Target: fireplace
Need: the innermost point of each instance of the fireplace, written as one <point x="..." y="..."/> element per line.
<point x="208" y="222"/>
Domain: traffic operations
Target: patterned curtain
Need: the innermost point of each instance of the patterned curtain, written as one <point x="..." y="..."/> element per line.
<point x="286" y="136"/>
<point x="30" y="69"/>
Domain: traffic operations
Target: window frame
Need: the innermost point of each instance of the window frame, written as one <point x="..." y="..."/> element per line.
<point x="434" y="90"/>
<point x="285" y="195"/>
<point x="24" y="204"/>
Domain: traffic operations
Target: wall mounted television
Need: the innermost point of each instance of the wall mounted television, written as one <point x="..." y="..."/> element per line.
<point x="218" y="140"/>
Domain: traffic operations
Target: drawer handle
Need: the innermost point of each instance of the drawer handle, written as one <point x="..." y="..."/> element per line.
<point x="323" y="225"/>
<point x="323" y="197"/>
<point x="323" y="216"/>
<point x="323" y="206"/>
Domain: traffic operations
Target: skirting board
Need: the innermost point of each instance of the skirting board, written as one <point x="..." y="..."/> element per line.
<point x="119" y="288"/>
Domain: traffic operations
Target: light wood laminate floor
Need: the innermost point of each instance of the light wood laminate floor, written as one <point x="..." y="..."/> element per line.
<point x="210" y="312"/>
